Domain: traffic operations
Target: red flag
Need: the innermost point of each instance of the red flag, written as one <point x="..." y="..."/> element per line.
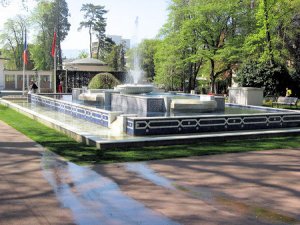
<point x="53" y="45"/>
<point x="25" y="53"/>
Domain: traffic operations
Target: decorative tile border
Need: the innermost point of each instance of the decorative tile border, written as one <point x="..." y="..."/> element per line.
<point x="155" y="126"/>
<point x="97" y="116"/>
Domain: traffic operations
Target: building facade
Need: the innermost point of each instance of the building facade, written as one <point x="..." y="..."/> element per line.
<point x="13" y="79"/>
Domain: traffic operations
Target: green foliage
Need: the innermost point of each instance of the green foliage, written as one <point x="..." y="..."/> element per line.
<point x="168" y="66"/>
<point x="103" y="81"/>
<point x="199" y="33"/>
<point x="83" y="54"/>
<point x="47" y="17"/>
<point x="147" y="49"/>
<point x="12" y="40"/>
<point x="59" y="18"/>
<point x="275" y="79"/>
<point x="106" y="48"/>
<point x="210" y="38"/>
<point x="273" y="22"/>
<point x="116" y="57"/>
<point x="43" y="39"/>
<point x="42" y="59"/>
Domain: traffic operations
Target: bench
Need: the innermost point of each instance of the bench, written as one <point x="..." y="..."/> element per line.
<point x="290" y="101"/>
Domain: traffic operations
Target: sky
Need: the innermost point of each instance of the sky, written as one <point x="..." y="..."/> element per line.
<point x="121" y="16"/>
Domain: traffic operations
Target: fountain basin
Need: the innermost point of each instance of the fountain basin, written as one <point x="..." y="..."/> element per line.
<point x="91" y="97"/>
<point x="194" y="105"/>
<point x="134" y="88"/>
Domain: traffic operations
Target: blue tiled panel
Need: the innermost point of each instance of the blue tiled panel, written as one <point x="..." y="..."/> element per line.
<point x="155" y="105"/>
<point x="133" y="104"/>
<point x="154" y="126"/>
<point x="91" y="115"/>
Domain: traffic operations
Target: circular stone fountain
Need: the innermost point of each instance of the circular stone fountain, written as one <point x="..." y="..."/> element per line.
<point x="134" y="88"/>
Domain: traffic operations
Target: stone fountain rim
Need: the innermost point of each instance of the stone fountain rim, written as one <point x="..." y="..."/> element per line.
<point x="135" y="88"/>
<point x="135" y="85"/>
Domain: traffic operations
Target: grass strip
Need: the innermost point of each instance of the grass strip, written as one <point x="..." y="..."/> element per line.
<point x="79" y="153"/>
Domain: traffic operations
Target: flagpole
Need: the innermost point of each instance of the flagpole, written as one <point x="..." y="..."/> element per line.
<point x="53" y="53"/>
<point x="23" y="88"/>
<point x="25" y="60"/>
<point x="54" y="72"/>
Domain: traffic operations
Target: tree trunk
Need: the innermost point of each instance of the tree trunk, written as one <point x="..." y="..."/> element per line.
<point x="45" y="52"/>
<point x="212" y="76"/>
<point x="268" y="35"/>
<point x="190" y="78"/>
<point x="90" y="33"/>
<point x="98" y="48"/>
<point x="59" y="52"/>
<point x="58" y="40"/>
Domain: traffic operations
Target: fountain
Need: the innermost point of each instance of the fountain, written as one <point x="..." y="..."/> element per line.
<point x="133" y="98"/>
<point x="136" y="74"/>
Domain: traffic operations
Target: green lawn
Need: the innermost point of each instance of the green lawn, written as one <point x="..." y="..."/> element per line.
<point x="82" y="154"/>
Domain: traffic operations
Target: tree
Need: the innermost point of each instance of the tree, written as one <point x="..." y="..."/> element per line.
<point x="94" y="21"/>
<point x="272" y="19"/>
<point x="173" y="65"/>
<point x="116" y="57"/>
<point x="147" y="49"/>
<point x="201" y="32"/>
<point x="49" y="17"/>
<point x="83" y="54"/>
<point x="99" y="28"/>
<point x="168" y="69"/>
<point x="43" y="40"/>
<point x="217" y="26"/>
<point x="272" y="43"/>
<point x="59" y="16"/>
<point x="12" y="39"/>
<point x="292" y="42"/>
<point x="289" y="31"/>
<point x="105" y="49"/>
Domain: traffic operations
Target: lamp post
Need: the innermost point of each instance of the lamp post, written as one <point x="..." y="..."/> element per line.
<point x="38" y="80"/>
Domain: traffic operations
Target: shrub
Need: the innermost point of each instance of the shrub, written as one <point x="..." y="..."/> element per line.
<point x="275" y="79"/>
<point x="103" y="81"/>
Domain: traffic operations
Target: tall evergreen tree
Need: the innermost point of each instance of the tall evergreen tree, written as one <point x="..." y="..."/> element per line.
<point x="94" y="22"/>
<point x="60" y="14"/>
<point x="49" y="16"/>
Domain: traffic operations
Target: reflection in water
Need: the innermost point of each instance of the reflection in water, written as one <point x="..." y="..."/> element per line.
<point x="94" y="199"/>
<point x="146" y="172"/>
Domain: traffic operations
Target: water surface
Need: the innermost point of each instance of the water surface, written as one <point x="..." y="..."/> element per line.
<point x="94" y="199"/>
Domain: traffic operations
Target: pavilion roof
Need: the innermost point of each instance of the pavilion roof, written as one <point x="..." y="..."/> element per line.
<point x="87" y="61"/>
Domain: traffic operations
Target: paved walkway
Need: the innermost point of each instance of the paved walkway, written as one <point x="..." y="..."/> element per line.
<point x="26" y="198"/>
<point x="241" y="188"/>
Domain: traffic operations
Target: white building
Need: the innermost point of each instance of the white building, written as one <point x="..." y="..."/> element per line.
<point x="13" y="79"/>
<point x="116" y="38"/>
<point x="119" y="40"/>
